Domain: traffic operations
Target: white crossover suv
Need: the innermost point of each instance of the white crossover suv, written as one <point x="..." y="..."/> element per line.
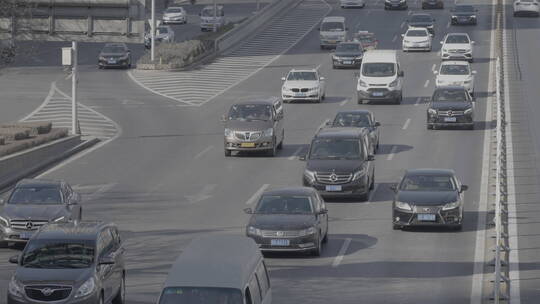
<point x="457" y="46"/>
<point x="303" y="85"/>
<point x="455" y="73"/>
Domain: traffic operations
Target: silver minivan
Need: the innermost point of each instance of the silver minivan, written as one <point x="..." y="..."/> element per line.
<point x="235" y="273"/>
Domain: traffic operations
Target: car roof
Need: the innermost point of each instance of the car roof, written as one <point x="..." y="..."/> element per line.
<point x="334" y="19"/>
<point x="430" y="171"/>
<point x="358" y="111"/>
<point x="290" y="191"/>
<point x="455" y="62"/>
<point x="345" y="132"/>
<point x="32" y="183"/>
<point x="223" y="261"/>
<point x="72" y="230"/>
<point x="255" y="102"/>
<point x="380" y="55"/>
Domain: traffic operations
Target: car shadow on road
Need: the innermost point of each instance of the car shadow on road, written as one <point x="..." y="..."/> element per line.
<point x="289" y="151"/>
<point x="385" y="149"/>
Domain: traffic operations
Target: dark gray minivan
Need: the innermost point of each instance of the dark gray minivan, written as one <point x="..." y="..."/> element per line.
<point x="235" y="273"/>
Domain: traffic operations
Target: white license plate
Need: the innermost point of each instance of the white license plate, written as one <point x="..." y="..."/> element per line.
<point x="378" y="94"/>
<point x="111" y="61"/>
<point x="333" y="188"/>
<point x="347" y="62"/>
<point x="450" y="119"/>
<point x="279" y="242"/>
<point x="26" y="235"/>
<point x="426" y="217"/>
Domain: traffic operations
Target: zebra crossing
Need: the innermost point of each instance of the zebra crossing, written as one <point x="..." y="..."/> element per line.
<point x="196" y="87"/>
<point x="57" y="109"/>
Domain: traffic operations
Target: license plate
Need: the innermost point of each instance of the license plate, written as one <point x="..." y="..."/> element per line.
<point x="247" y="145"/>
<point x="333" y="188"/>
<point x="110" y="61"/>
<point x="378" y="94"/>
<point x="26" y="235"/>
<point x="280" y="242"/>
<point x="332" y="41"/>
<point x="301" y="94"/>
<point x="347" y="62"/>
<point x="426" y="217"/>
<point x="450" y="119"/>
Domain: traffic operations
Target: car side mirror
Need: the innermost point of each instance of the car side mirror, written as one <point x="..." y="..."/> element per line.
<point x="472" y="42"/>
<point x="332" y="51"/>
<point x="371" y="157"/>
<point x="401" y="73"/>
<point x="393" y="187"/>
<point x="329" y="123"/>
<point x="248" y="211"/>
<point x="2" y="201"/>
<point x="474" y="72"/>
<point x="464" y="188"/>
<point x="442" y="42"/>
<point x="106" y="260"/>
<point x="319" y="29"/>
<point x="14" y="259"/>
<point x="402" y="35"/>
<point x="75" y="199"/>
<point x="321" y="78"/>
<point x="302" y="157"/>
<point x="200" y="14"/>
<point x="356" y="74"/>
<point x="435" y="72"/>
<point x="346" y="28"/>
<point x="323" y="211"/>
<point x="431" y="35"/>
<point x="453" y="10"/>
<point x="377" y="124"/>
<point x="282" y="78"/>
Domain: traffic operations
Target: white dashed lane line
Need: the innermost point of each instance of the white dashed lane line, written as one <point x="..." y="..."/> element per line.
<point x="406" y="125"/>
<point x="392" y="152"/>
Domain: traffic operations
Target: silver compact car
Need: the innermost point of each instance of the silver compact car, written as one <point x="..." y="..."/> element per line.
<point x="254" y="126"/>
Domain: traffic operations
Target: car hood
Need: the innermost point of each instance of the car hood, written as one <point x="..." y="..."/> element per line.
<point x="348" y="54"/>
<point x="451" y="105"/>
<point x="173" y="14"/>
<point x="33" y="212"/>
<point x="378" y="80"/>
<point x="456" y="46"/>
<point x="427" y="197"/>
<point x="301" y="83"/>
<point x="255" y="125"/>
<point x="420" y="24"/>
<point x="415" y="39"/>
<point x="282" y="221"/>
<point x="52" y="276"/>
<point x="331" y="165"/>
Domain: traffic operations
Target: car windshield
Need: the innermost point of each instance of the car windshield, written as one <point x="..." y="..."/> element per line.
<point x="464" y="8"/>
<point x="457" y="39"/>
<point x="113" y="49"/>
<point x="162" y="30"/>
<point x="378" y="69"/>
<point x="348" y="47"/>
<point x="335" y="148"/>
<point x="428" y="182"/>
<point x="332" y="27"/>
<point x="302" y="76"/>
<point x="36" y="195"/>
<point x="421" y="18"/>
<point x="58" y="254"/>
<point x="209" y="12"/>
<point x="358" y="120"/>
<point x="173" y="10"/>
<point x="454" y="69"/>
<point x="273" y="204"/>
<point x="449" y="95"/>
<point x="200" y="295"/>
<point x="416" y="33"/>
<point x="250" y="112"/>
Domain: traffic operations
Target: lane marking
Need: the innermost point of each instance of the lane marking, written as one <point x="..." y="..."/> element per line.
<point x="448" y="24"/>
<point x="406" y="125"/>
<point x="318" y="67"/>
<point x="342" y="252"/>
<point x="392" y="153"/>
<point x="207" y="149"/>
<point x="394" y="39"/>
<point x="433" y="67"/>
<point x="323" y="124"/>
<point x="69" y="76"/>
<point x="402" y="24"/>
<point x="295" y="154"/>
<point x="99" y="193"/>
<point x="417" y="101"/>
<point x="410" y="12"/>
<point x="341" y="104"/>
<point x="426" y="83"/>
<point x="372" y="194"/>
<point x="258" y="193"/>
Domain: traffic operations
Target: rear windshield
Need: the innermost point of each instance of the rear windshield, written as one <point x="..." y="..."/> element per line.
<point x="36" y="195"/>
<point x="379" y="69"/>
<point x="449" y="95"/>
<point x="200" y="295"/>
<point x="332" y="27"/>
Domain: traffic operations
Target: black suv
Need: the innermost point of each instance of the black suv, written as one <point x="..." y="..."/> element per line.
<point x="339" y="163"/>
<point x="72" y="262"/>
<point x="463" y="14"/>
<point x="451" y="106"/>
<point x="34" y="203"/>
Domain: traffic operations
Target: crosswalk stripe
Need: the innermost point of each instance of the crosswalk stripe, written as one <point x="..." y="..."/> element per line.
<point x="197" y="87"/>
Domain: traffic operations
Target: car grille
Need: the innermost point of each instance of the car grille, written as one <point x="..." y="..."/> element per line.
<point x="426" y="209"/>
<point x="450" y="113"/>
<point x="248" y="135"/>
<point x="377" y="85"/>
<point x="48" y="293"/>
<point x="26" y="224"/>
<point x="333" y="178"/>
<point x="280" y="234"/>
<point x="300" y="90"/>
<point x="460" y="51"/>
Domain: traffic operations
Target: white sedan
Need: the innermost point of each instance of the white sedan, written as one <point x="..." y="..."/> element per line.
<point x="305" y="85"/>
<point x="417" y="38"/>
<point x="175" y="15"/>
<point x="526" y="7"/>
<point x="455" y="73"/>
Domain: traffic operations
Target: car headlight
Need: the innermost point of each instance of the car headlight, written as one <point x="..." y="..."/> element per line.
<point x="59" y="219"/>
<point x="451" y="206"/>
<point x="362" y="83"/>
<point x="86" y="288"/>
<point x="15" y="288"/>
<point x="309" y="175"/>
<point x="228" y="132"/>
<point x="432" y="111"/>
<point x="360" y="57"/>
<point x="309" y="231"/>
<point x="454" y="17"/>
<point x="445" y="50"/>
<point x="403" y="206"/>
<point x="406" y="41"/>
<point x="430" y="26"/>
<point x="314" y="89"/>
<point x="102" y="58"/>
<point x="4" y="221"/>
<point x="284" y="88"/>
<point x="393" y="83"/>
<point x="469" y="111"/>
<point x="268" y="132"/>
<point x="254" y="231"/>
<point x="359" y="174"/>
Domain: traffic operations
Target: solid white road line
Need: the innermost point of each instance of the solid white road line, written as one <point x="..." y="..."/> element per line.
<point x="392" y="152"/>
<point x="406" y="125"/>
<point x="417" y="101"/>
<point x="256" y="195"/>
<point x="342" y="252"/>
<point x="448" y="24"/>
<point x="426" y="83"/>
<point x="341" y="104"/>
<point x="207" y="149"/>
<point x="295" y="154"/>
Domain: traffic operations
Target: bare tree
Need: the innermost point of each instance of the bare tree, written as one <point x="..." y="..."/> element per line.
<point x="14" y="15"/>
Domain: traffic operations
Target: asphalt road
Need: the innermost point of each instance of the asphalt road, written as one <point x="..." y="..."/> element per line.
<point x="165" y="179"/>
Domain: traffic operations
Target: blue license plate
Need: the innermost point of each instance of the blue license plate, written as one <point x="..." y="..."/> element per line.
<point x="26" y="235"/>
<point x="378" y="94"/>
<point x="111" y="61"/>
<point x="333" y="188"/>
<point x="280" y="242"/>
<point x="347" y="62"/>
<point x="426" y="217"/>
<point x="450" y="119"/>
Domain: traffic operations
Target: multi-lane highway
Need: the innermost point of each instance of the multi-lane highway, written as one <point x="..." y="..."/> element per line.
<point x="165" y="180"/>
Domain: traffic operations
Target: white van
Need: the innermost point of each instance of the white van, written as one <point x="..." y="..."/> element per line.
<point x="208" y="20"/>
<point x="225" y="269"/>
<point x="380" y="77"/>
<point x="332" y="31"/>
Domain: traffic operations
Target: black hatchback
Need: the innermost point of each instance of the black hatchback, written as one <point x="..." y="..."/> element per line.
<point x="427" y="197"/>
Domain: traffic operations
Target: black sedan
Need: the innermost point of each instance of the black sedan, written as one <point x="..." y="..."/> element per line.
<point x="289" y="219"/>
<point x="427" y="197"/>
<point x="115" y="55"/>
<point x="432" y="4"/>
<point x="451" y="106"/>
<point x="463" y="14"/>
<point x="422" y="20"/>
<point x="359" y="119"/>
<point x="347" y="55"/>
<point x="395" y="5"/>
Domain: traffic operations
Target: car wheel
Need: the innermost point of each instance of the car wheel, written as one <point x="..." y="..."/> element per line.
<point x="372" y="184"/>
<point x="325" y="238"/>
<point x="228" y="153"/>
<point x="423" y="6"/>
<point x="377" y="147"/>
<point x="121" y="296"/>
<point x="342" y="6"/>
<point x="398" y="99"/>
<point x="360" y="101"/>
<point x="317" y="251"/>
<point x="101" y="300"/>
<point x="458" y="227"/>
<point x="280" y="146"/>
<point x="4" y="244"/>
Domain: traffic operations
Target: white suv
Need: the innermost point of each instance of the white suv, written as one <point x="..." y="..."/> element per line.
<point x="417" y="39"/>
<point x="303" y="85"/>
<point x="455" y="73"/>
<point x="457" y="46"/>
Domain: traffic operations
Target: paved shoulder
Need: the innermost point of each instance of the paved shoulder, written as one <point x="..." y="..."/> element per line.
<point x="194" y="88"/>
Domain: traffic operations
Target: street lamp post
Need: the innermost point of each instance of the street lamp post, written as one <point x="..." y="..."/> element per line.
<point x="74" y="80"/>
<point x="153" y="32"/>
<point x="215" y="16"/>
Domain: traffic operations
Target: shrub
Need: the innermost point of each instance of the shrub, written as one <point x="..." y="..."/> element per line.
<point x="15" y="133"/>
<point x="36" y="127"/>
<point x="176" y="54"/>
<point x="19" y="145"/>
